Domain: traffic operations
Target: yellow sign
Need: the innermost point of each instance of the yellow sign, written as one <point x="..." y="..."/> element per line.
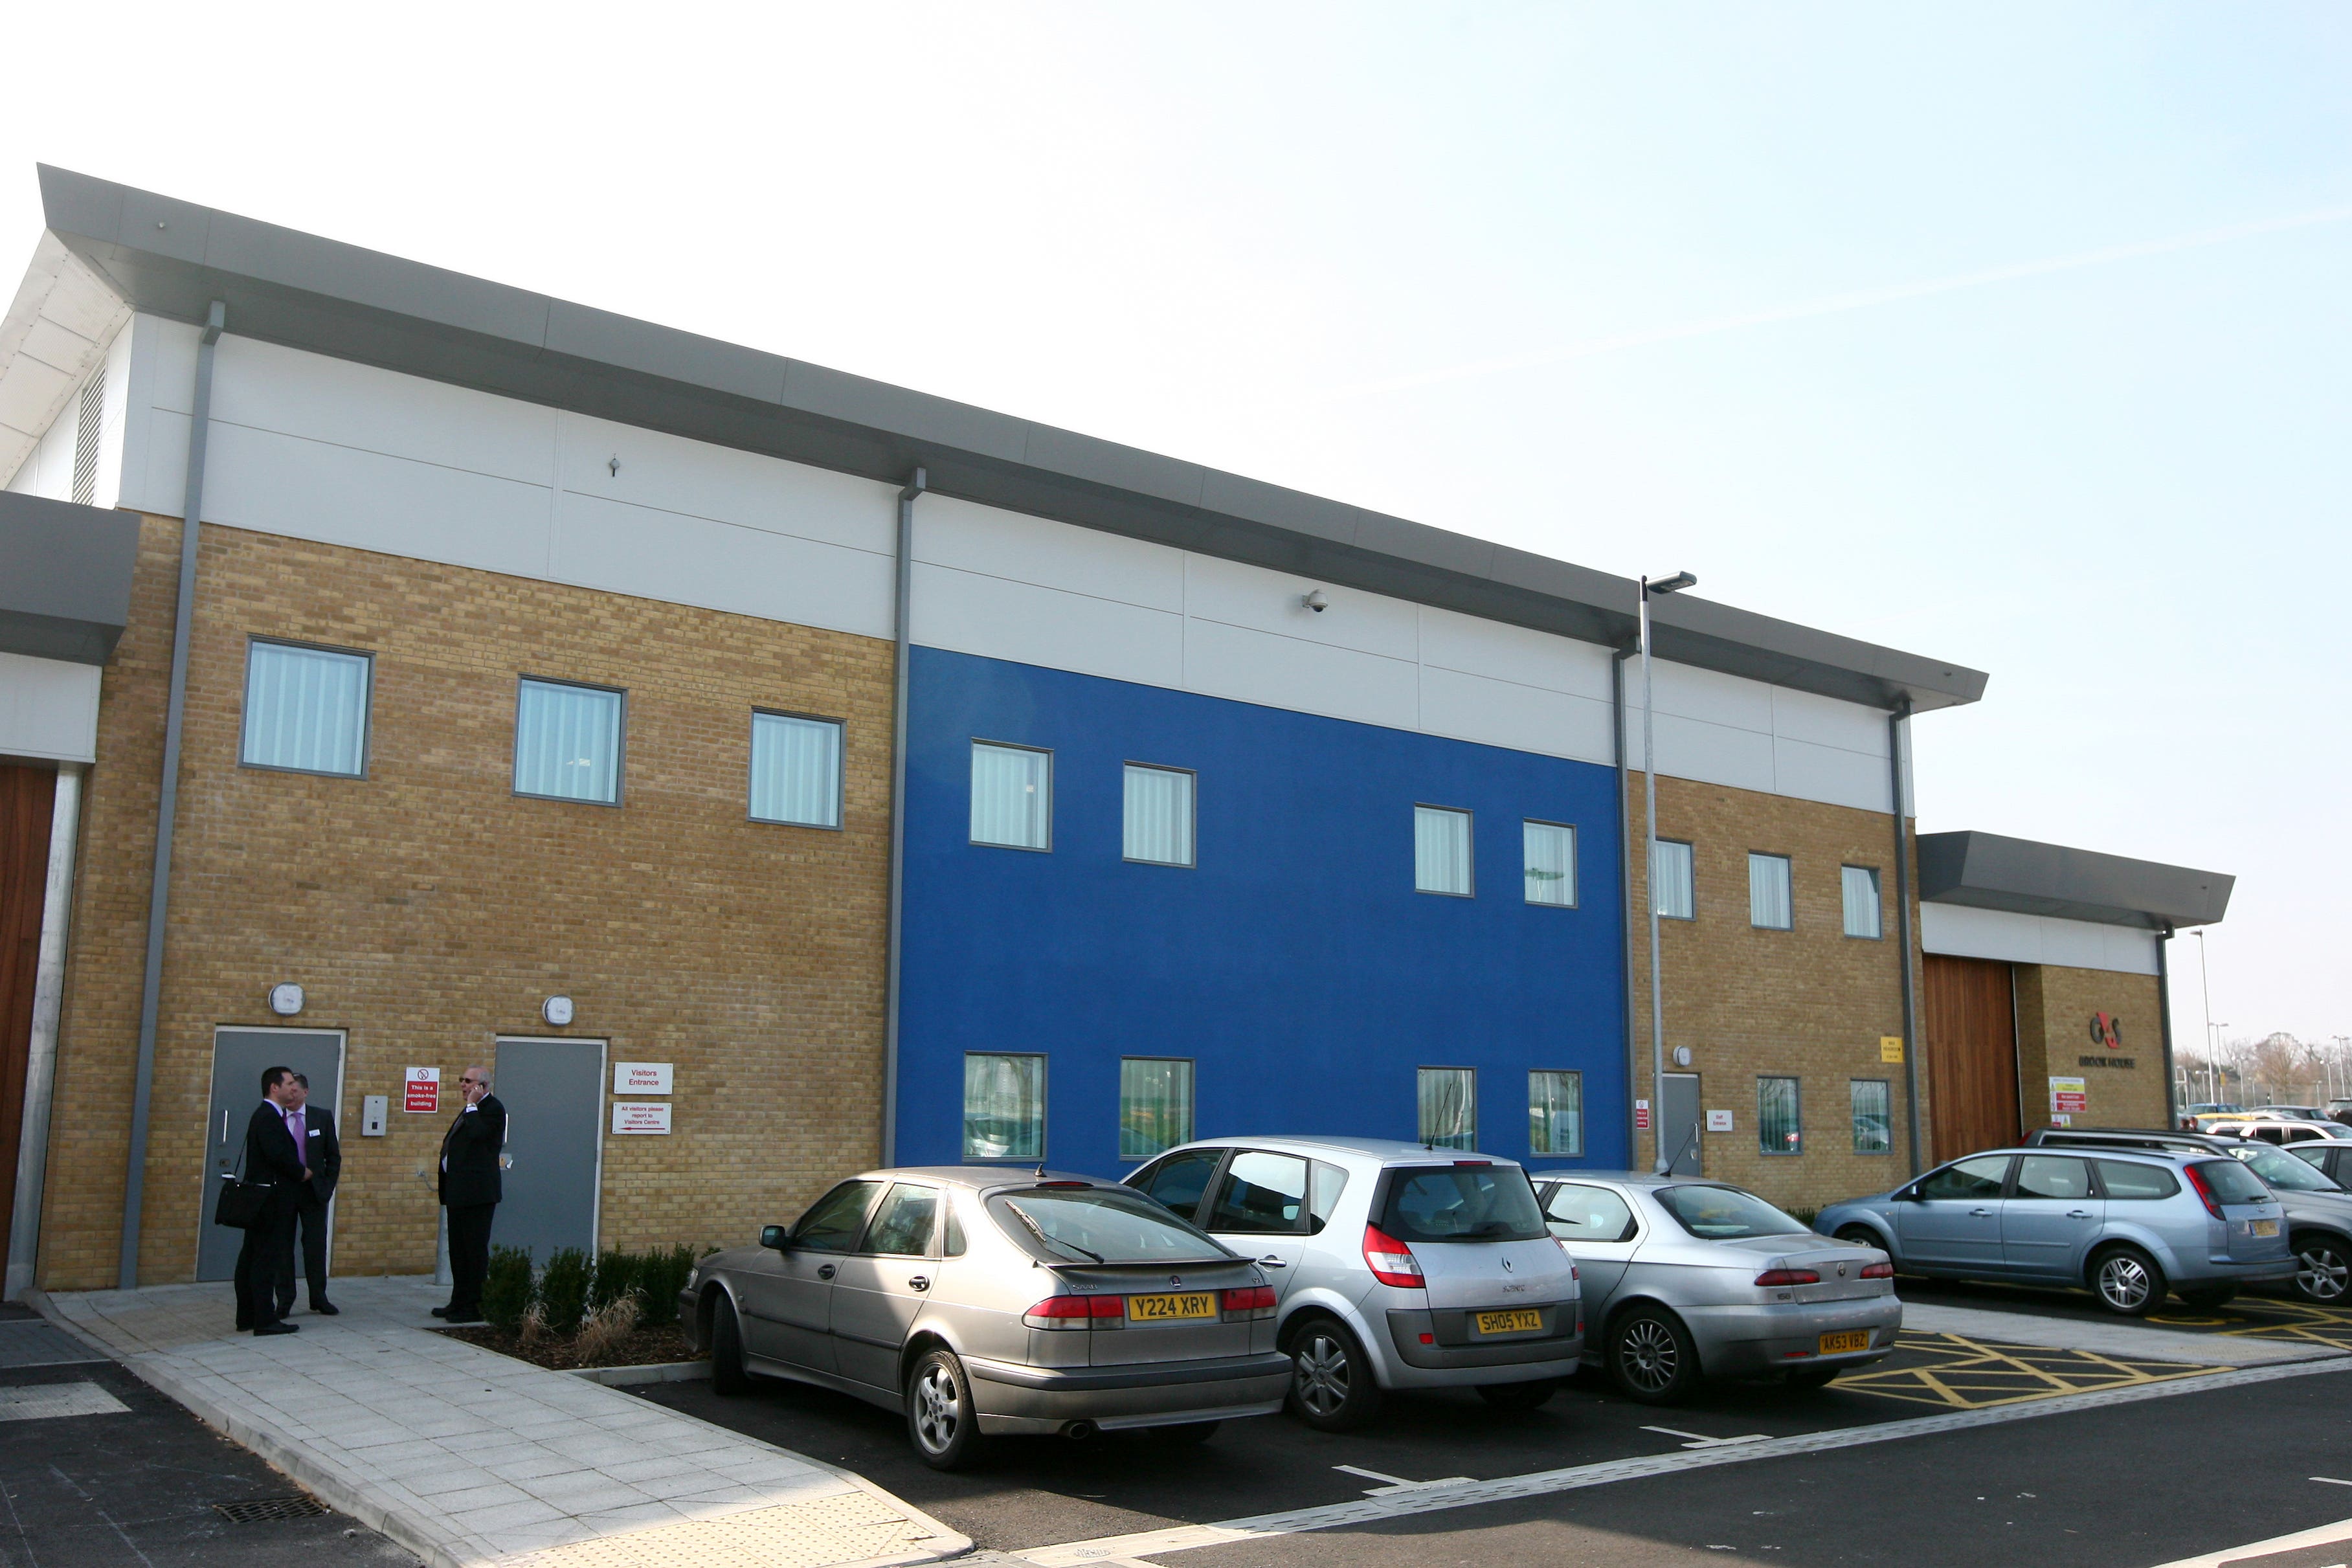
<point x="1890" y="1048"/>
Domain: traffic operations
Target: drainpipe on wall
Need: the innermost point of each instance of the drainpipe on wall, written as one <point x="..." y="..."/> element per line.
<point x="41" y="1062"/>
<point x="159" y="894"/>
<point x="1625" y="888"/>
<point x="904" y="591"/>
<point x="2164" y="1018"/>
<point x="1895" y="734"/>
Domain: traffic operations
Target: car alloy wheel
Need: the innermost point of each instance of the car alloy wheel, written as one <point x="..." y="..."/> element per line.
<point x="1648" y="1356"/>
<point x="2126" y="1282"/>
<point x="1332" y="1387"/>
<point x="939" y="1415"/>
<point x="2322" y="1272"/>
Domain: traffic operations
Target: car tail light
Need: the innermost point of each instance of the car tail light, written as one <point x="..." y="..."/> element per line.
<point x="2204" y="1191"/>
<point x="1077" y="1312"/>
<point x="1788" y="1276"/>
<point x="1248" y="1303"/>
<point x="1390" y="1261"/>
<point x="1878" y="1271"/>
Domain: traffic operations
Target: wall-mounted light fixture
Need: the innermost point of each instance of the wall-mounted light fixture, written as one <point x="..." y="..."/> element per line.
<point x="613" y="464"/>
<point x="285" y="1000"/>
<point x="1682" y="1056"/>
<point x="556" y="1010"/>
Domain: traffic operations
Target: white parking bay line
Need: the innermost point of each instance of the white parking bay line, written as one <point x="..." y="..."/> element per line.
<point x="2331" y="1480"/>
<point x="2325" y="1535"/>
<point x="1384" y="1505"/>
<point x="1700" y="1440"/>
<point x="1396" y="1483"/>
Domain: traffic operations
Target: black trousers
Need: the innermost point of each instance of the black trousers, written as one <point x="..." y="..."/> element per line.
<point x="268" y="1250"/>
<point x="470" y="1256"/>
<point x="310" y="1224"/>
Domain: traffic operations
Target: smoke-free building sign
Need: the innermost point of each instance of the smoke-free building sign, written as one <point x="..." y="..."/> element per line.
<point x="423" y="1089"/>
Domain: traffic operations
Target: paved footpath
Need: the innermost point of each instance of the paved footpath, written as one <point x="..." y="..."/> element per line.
<point x="468" y="1458"/>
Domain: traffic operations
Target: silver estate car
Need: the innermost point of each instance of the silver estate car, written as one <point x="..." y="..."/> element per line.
<point x="1398" y="1266"/>
<point x="2129" y="1224"/>
<point x="982" y="1301"/>
<point x="1687" y="1279"/>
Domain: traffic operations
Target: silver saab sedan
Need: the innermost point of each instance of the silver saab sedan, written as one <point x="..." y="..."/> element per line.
<point x="982" y="1301"/>
<point x="1686" y="1279"/>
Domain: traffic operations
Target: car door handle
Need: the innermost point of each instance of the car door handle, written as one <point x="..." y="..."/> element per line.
<point x="1980" y="1214"/>
<point x="825" y="1270"/>
<point x="1270" y="1261"/>
<point x="919" y="1283"/>
<point x="2078" y="1213"/>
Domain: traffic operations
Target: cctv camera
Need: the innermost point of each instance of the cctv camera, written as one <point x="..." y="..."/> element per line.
<point x="1316" y="601"/>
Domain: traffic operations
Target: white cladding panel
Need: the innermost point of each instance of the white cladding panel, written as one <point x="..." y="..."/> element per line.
<point x="1251" y="597"/>
<point x="49" y="709"/>
<point x="1450" y="640"/>
<point x="1963" y="931"/>
<point x="1524" y="717"/>
<point x="1225" y="660"/>
<point x="987" y="542"/>
<point x="688" y="559"/>
<point x="996" y="617"/>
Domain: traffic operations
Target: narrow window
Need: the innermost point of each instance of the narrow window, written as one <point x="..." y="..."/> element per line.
<point x="1003" y="1107"/>
<point x="1670" y="875"/>
<point x="88" y="430"/>
<point x="1778" y="1127"/>
<point x="1556" y="1113"/>
<point x="1862" y="911"/>
<point x="306" y="710"/>
<point x="1155" y="1105"/>
<point x="1159" y="816"/>
<point x="1550" y="856"/>
<point x="1873" y="1129"/>
<point x="568" y="741"/>
<point x="795" y="770"/>
<point x="1012" y="796"/>
<point x="1440" y="851"/>
<point x="1767" y="892"/>
<point x="1449" y="1108"/>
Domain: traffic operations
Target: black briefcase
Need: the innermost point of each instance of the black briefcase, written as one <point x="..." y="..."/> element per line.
<point x="241" y="1203"/>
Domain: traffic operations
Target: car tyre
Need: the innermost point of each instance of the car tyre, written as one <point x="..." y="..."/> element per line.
<point x="1814" y="1376"/>
<point x="1519" y="1395"/>
<point x="1863" y="1236"/>
<point x="1188" y="1435"/>
<point x="1332" y="1385"/>
<point x="2323" y="1269"/>
<point x="728" y="1377"/>
<point x="943" y="1423"/>
<point x="2127" y="1282"/>
<point x="1652" y="1357"/>
<point x="2208" y="1298"/>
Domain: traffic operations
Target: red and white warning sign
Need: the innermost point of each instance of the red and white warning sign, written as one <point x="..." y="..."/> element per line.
<point x="423" y="1092"/>
<point x="1640" y="1114"/>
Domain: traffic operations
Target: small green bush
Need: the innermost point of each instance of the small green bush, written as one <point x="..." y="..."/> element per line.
<point x="618" y="1274"/>
<point x="563" y="1290"/>
<point x="661" y="1276"/>
<point x="507" y="1289"/>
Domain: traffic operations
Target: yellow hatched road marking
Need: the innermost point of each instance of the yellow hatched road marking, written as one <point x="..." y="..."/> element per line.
<point x="1972" y="1375"/>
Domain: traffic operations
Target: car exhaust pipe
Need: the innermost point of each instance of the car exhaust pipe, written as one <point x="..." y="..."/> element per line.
<point x="1078" y="1431"/>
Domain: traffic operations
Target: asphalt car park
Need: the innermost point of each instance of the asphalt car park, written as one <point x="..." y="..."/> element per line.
<point x="2269" y="1314"/>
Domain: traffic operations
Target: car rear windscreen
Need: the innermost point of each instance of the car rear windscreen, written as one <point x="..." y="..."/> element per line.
<point x="1725" y="1213"/>
<point x="1462" y="1203"/>
<point x="1101" y="1224"/>
<point x="2233" y="1183"/>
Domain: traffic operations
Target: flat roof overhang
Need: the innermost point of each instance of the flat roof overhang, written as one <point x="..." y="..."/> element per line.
<point x="1990" y="872"/>
<point x="65" y="578"/>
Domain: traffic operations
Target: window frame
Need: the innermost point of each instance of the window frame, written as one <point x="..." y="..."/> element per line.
<point x="620" y="742"/>
<point x="1576" y="1073"/>
<point x="367" y="707"/>
<point x="840" y="777"/>
<point x="1044" y="848"/>
<point x="1193" y="828"/>
<point x="1789" y="873"/>
<point x="1192" y="1107"/>
<point x="1469" y="854"/>
<point x="1575" y="863"/>
<point x="1885" y="1088"/>
<point x="1420" y="1133"/>
<point x="1762" y="1152"/>
<point x="1691" y="847"/>
<point x="1045" y="1119"/>
<point x="1878" y="904"/>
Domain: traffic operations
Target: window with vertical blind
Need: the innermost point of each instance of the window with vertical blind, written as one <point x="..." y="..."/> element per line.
<point x="1556" y="1113"/>
<point x="1449" y="1107"/>
<point x="1670" y="881"/>
<point x="1004" y="1105"/>
<point x="1548" y="854"/>
<point x="1440" y="851"/>
<point x="1769" y="903"/>
<point x="568" y="741"/>
<point x="795" y="770"/>
<point x="1873" y="1124"/>
<point x="1155" y="1105"/>
<point x="306" y="708"/>
<point x="1012" y="796"/>
<point x="1160" y="817"/>
<point x="1779" y="1126"/>
<point x="1862" y="915"/>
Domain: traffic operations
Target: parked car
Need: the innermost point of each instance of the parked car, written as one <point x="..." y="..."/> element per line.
<point x="1397" y="1266"/>
<point x="2275" y="1129"/>
<point x="2129" y="1224"/>
<point x="2332" y="1159"/>
<point x="2318" y="1208"/>
<point x="1686" y="1279"/>
<point x="980" y="1301"/>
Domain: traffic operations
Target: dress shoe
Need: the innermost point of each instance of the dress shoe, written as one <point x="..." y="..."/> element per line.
<point x="326" y="1309"/>
<point x="440" y="1311"/>
<point x="278" y="1329"/>
<point x="462" y="1317"/>
<point x="244" y="1325"/>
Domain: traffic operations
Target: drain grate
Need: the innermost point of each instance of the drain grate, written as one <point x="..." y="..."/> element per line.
<point x="269" y="1510"/>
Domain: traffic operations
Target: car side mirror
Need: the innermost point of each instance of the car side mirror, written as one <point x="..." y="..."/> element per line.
<point x="778" y="1236"/>
<point x="1907" y="1195"/>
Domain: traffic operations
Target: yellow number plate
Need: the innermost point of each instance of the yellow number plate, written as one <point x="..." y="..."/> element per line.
<point x="2266" y="1227"/>
<point x="1847" y="1340"/>
<point x="1161" y="1309"/>
<point x="1523" y="1322"/>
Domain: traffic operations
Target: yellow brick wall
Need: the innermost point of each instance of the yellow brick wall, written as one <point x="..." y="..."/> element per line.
<point x="427" y="909"/>
<point x="1809" y="1002"/>
<point x="2054" y="1008"/>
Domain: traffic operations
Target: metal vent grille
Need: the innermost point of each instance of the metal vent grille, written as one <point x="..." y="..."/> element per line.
<point x="86" y="433"/>
<point x="269" y="1509"/>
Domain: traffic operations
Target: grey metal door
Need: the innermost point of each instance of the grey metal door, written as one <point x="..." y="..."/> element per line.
<point x="240" y="1059"/>
<point x="1678" y="1127"/>
<point x="554" y="1094"/>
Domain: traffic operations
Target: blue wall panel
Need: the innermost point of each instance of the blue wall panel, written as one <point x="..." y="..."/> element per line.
<point x="1296" y="964"/>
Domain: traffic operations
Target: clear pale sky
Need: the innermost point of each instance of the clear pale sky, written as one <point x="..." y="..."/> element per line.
<point x="2015" y="335"/>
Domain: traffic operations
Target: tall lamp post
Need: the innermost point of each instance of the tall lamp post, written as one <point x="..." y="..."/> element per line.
<point x="1658" y="588"/>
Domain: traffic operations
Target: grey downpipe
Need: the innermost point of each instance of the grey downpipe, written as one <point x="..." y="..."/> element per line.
<point x="2164" y="1020"/>
<point x="159" y="894"/>
<point x="1895" y="739"/>
<point x="903" y="602"/>
<point x="1626" y="888"/>
<point x="41" y="1062"/>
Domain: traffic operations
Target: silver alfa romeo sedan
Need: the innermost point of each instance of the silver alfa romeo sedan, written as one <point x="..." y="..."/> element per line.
<point x="982" y="1301"/>
<point x="1686" y="1279"/>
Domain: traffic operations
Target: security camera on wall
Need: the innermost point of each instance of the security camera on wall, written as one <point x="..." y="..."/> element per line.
<point x="1315" y="601"/>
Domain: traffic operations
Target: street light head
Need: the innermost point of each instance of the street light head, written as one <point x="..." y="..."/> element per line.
<point x="1673" y="585"/>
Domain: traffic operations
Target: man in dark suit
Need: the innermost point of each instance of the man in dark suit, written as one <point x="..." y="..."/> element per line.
<point x="470" y="1190"/>
<point x="270" y="1157"/>
<point x="313" y="1130"/>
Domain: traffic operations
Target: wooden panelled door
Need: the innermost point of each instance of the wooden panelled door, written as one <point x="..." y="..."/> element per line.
<point x="26" y="797"/>
<point x="1971" y="1041"/>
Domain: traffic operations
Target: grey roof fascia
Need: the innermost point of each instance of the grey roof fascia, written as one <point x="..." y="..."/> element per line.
<point x="1986" y="870"/>
<point x="171" y="259"/>
<point x="65" y="578"/>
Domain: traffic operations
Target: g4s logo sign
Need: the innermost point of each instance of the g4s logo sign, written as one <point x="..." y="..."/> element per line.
<point x="2106" y="1031"/>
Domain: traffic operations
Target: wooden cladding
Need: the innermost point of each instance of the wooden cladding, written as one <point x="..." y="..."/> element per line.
<point x="1971" y="1051"/>
<point x="26" y="797"/>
